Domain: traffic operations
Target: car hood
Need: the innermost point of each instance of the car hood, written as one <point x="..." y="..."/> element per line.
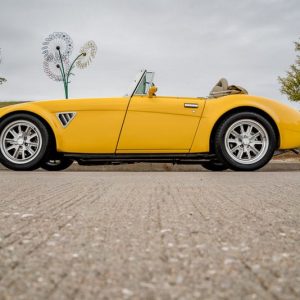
<point x="63" y="105"/>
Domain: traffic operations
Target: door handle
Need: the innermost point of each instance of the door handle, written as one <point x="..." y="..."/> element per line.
<point x="190" y="105"/>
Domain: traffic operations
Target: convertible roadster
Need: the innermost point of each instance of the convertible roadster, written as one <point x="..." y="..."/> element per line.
<point x="227" y="129"/>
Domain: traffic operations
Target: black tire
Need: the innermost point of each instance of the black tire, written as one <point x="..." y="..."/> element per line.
<point x="29" y="163"/>
<point x="214" y="166"/>
<point x="224" y="152"/>
<point x="57" y="164"/>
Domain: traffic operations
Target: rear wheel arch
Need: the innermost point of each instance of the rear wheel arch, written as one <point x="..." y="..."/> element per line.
<point x="48" y="127"/>
<point x="238" y="110"/>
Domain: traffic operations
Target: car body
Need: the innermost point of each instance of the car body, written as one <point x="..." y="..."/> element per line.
<point x="144" y="127"/>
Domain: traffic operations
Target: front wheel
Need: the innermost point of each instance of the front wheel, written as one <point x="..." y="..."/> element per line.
<point x="245" y="141"/>
<point x="56" y="164"/>
<point x="24" y="142"/>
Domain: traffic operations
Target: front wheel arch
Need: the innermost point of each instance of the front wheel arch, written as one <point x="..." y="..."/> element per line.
<point x="48" y="127"/>
<point x="238" y="110"/>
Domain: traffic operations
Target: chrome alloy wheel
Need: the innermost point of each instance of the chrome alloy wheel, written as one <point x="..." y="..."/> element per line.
<point x="246" y="141"/>
<point x="20" y="141"/>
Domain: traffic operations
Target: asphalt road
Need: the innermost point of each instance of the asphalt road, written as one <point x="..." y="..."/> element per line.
<point x="150" y="235"/>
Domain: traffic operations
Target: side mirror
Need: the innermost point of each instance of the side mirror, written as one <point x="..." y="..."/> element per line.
<point x="152" y="91"/>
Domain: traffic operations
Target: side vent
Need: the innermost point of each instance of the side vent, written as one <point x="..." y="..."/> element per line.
<point x="65" y="118"/>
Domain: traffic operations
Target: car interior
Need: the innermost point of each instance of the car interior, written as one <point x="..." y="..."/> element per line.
<point x="144" y="82"/>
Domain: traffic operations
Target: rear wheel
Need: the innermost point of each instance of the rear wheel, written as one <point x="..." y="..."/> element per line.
<point x="245" y="141"/>
<point x="56" y="164"/>
<point x="24" y="141"/>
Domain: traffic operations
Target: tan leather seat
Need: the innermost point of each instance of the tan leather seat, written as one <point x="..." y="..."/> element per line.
<point x="222" y="89"/>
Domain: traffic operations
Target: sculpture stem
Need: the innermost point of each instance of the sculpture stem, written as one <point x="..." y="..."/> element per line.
<point x="63" y="75"/>
<point x="72" y="65"/>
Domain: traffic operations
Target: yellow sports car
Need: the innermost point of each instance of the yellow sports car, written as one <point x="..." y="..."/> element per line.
<point x="228" y="129"/>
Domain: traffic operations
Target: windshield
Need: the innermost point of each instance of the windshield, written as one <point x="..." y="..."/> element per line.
<point x="145" y="84"/>
<point x="141" y="84"/>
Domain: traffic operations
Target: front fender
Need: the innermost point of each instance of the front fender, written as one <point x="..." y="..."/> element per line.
<point x="286" y="119"/>
<point x="32" y="108"/>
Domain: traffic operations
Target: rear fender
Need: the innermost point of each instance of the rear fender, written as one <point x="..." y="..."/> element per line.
<point x="286" y="119"/>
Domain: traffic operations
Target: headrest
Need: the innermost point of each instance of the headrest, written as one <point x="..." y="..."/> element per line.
<point x="222" y="83"/>
<point x="223" y="89"/>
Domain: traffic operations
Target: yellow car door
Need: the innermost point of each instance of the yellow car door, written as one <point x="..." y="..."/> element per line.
<point x="160" y="124"/>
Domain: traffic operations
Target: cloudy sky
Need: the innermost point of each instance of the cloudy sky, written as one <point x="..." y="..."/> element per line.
<point x="190" y="44"/>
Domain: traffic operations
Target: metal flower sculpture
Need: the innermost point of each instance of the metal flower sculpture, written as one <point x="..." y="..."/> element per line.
<point x="2" y="80"/>
<point x="88" y="51"/>
<point x="57" y="49"/>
